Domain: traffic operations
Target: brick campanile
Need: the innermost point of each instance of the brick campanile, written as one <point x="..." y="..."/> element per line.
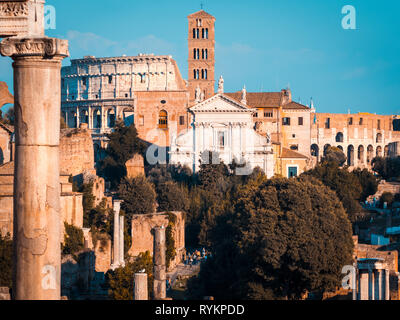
<point x="201" y="43"/>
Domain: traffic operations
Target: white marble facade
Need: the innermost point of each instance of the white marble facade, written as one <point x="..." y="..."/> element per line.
<point x="223" y="125"/>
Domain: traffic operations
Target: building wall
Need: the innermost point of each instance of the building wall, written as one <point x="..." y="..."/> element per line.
<point x="369" y="136"/>
<point x="6" y="146"/>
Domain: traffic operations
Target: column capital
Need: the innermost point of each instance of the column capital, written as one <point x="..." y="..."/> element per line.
<point x="34" y="47"/>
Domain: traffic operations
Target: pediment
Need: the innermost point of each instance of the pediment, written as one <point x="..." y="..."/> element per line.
<point x="220" y="103"/>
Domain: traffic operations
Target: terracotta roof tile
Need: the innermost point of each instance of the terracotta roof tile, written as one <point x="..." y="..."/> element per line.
<point x="200" y="14"/>
<point x="290" y="154"/>
<point x="259" y="99"/>
<point x="295" y="105"/>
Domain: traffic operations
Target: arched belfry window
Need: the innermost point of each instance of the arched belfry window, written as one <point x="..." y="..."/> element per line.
<point x="163" y="120"/>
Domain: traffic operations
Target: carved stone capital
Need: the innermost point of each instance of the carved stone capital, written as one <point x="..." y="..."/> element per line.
<point x="34" y="47"/>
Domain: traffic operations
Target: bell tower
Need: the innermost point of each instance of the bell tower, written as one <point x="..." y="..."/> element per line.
<point x="201" y="62"/>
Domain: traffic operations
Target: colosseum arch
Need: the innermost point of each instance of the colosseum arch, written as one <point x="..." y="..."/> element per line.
<point x="340" y="147"/>
<point x="350" y="155"/>
<point x="386" y="151"/>
<point x="339" y="137"/>
<point x="326" y="148"/>
<point x="379" y="138"/>
<point x="72" y="119"/>
<point x="96" y="119"/>
<point x="379" y="151"/>
<point x="111" y="117"/>
<point x="315" y="150"/>
<point x="370" y="154"/>
<point x="360" y="154"/>
<point x="84" y="116"/>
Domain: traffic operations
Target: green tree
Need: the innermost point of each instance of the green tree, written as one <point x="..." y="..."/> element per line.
<point x="73" y="240"/>
<point x="6" y="261"/>
<point x="87" y="202"/>
<point x="283" y="238"/>
<point x="346" y="185"/>
<point x="334" y="154"/>
<point x="172" y="197"/>
<point x="170" y="240"/>
<point x="138" y="196"/>
<point x="368" y="181"/>
<point x="387" y="197"/>
<point x="121" y="280"/>
<point x="124" y="143"/>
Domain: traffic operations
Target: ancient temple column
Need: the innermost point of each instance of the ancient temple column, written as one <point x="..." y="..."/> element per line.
<point x="371" y="285"/>
<point x="121" y="241"/>
<point x="160" y="290"/>
<point x="37" y="88"/>
<point x="387" y="285"/>
<point x="116" y="249"/>
<point x="363" y="286"/>
<point x="141" y="288"/>
<point x="378" y="286"/>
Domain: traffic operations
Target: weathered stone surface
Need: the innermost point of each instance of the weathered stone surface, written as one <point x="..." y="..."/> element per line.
<point x="159" y="269"/>
<point x="135" y="166"/>
<point x="4" y="293"/>
<point x="76" y="152"/>
<point x="142" y="237"/>
<point x="102" y="252"/>
<point x="5" y="96"/>
<point x="141" y="287"/>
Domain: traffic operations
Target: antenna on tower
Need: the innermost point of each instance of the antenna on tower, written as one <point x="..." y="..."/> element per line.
<point x="202" y="5"/>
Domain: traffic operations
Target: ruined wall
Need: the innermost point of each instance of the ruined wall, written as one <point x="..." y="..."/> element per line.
<point x="135" y="166"/>
<point x="5" y="96"/>
<point x="102" y="252"/>
<point x="142" y="238"/>
<point x="76" y="151"/>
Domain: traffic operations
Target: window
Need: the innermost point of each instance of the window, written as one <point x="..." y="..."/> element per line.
<point x="142" y="78"/>
<point x="361" y="122"/>
<point x="84" y="81"/>
<point x="379" y="124"/>
<point x="197" y="33"/>
<point x="286" y="121"/>
<point x="268" y="114"/>
<point x="182" y="120"/>
<point x="205" y="54"/>
<point x="194" y="33"/>
<point x="110" y="78"/>
<point x="350" y="121"/>
<point x="328" y="123"/>
<point x="205" y="74"/>
<point x="141" y="120"/>
<point x="255" y="114"/>
<point x="126" y="95"/>
<point x="221" y="139"/>
<point x="206" y="36"/>
<point x="294" y="147"/>
<point x="203" y="33"/>
<point x="163" y="120"/>
<point x="301" y="121"/>
<point x="292" y="172"/>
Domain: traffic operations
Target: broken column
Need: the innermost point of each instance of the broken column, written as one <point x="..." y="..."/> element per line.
<point x="116" y="240"/>
<point x="141" y="287"/>
<point x="372" y="283"/>
<point x="121" y="241"/>
<point x="160" y="290"/>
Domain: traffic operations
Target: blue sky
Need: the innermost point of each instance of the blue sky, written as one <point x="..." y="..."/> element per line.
<point x="265" y="45"/>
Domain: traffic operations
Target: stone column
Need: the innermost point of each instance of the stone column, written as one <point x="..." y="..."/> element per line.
<point x="371" y="284"/>
<point x="121" y="241"/>
<point x="378" y="285"/>
<point x="160" y="290"/>
<point x="141" y="288"/>
<point x="363" y="286"/>
<point x="37" y="88"/>
<point x="116" y="249"/>
<point x="387" y="285"/>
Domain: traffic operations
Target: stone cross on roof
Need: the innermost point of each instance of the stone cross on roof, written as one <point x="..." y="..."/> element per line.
<point x="21" y="18"/>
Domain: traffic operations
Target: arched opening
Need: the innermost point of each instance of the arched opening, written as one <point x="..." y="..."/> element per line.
<point x="379" y="151"/>
<point x="163" y="120"/>
<point x="97" y="119"/>
<point x="111" y="118"/>
<point x="339" y="137"/>
<point x="379" y="138"/>
<point x="350" y="156"/>
<point x="202" y="73"/>
<point x="360" y="154"/>
<point x="1" y="156"/>
<point x="370" y="154"/>
<point x="386" y="151"/>
<point x="84" y="116"/>
<point x="72" y="119"/>
<point x="314" y="150"/>
<point x="340" y="147"/>
<point x="326" y="148"/>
